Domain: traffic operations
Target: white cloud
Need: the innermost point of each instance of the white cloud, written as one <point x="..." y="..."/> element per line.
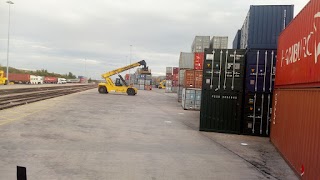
<point x="59" y="36"/>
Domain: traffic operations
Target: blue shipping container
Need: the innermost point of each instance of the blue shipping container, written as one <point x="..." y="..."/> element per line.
<point x="263" y="26"/>
<point x="236" y="40"/>
<point x="260" y="70"/>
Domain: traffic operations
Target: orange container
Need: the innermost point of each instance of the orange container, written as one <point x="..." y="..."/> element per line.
<point x="189" y="78"/>
<point x="298" y="58"/>
<point x="198" y="78"/>
<point x="295" y="129"/>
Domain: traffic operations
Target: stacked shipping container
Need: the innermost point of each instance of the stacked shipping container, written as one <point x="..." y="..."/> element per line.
<point x="222" y="90"/>
<point x="172" y="77"/>
<point x="191" y="64"/>
<point x="295" y="127"/>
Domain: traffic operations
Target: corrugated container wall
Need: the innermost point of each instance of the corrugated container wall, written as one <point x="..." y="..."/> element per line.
<point x="295" y="129"/>
<point x="169" y="70"/>
<point x="298" y="62"/>
<point x="198" y="60"/>
<point x="236" y="40"/>
<point x="222" y="90"/>
<point x="191" y="99"/>
<point x="263" y="25"/>
<point x="219" y="42"/>
<point x="200" y="43"/>
<point x="18" y="78"/>
<point x="186" y="60"/>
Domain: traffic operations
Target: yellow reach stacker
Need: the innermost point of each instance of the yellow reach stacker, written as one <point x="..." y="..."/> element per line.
<point x="3" y="80"/>
<point x="118" y="87"/>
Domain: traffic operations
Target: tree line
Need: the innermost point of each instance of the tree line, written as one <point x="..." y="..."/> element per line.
<point x="42" y="72"/>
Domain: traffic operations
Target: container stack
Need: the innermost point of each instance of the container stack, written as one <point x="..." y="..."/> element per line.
<point x="142" y="80"/>
<point x="295" y="120"/>
<point x="191" y="64"/>
<point x="222" y="90"/>
<point x="172" y="77"/>
<point x="259" y="82"/>
<point x="186" y="62"/>
<point x="246" y="107"/>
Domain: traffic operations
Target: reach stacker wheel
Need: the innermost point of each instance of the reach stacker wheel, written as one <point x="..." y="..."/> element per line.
<point x="103" y="90"/>
<point x="131" y="92"/>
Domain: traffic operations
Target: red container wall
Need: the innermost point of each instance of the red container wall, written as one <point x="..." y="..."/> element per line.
<point x="298" y="59"/>
<point x="189" y="78"/>
<point x="127" y="76"/>
<point x="175" y="77"/>
<point x="295" y="129"/>
<point x="198" y="78"/>
<point x="18" y="77"/>
<point x="175" y="70"/>
<point x="50" y="79"/>
<point x="198" y="60"/>
<point x="169" y="77"/>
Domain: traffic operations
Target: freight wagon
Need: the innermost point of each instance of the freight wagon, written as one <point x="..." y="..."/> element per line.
<point x="19" y="78"/>
<point x="50" y="80"/>
<point x="73" y="80"/>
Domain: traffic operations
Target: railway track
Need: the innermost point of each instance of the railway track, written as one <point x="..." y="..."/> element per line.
<point x="15" y="97"/>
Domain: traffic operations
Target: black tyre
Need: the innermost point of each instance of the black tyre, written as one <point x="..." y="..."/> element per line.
<point x="102" y="90"/>
<point x="131" y="92"/>
<point x="6" y="82"/>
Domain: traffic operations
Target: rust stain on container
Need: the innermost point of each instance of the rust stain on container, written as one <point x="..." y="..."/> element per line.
<point x="295" y="129"/>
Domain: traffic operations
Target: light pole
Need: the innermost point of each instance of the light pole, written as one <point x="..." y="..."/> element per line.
<point x="85" y="68"/>
<point x="10" y="3"/>
<point x="130" y="63"/>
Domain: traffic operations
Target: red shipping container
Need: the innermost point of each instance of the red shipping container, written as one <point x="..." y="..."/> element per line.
<point x="127" y="76"/>
<point x="295" y="129"/>
<point x="19" y="78"/>
<point x="169" y="77"/>
<point x="198" y="60"/>
<point x="189" y="78"/>
<point x="175" y="83"/>
<point x="298" y="59"/>
<point x="175" y="77"/>
<point x="175" y="70"/>
<point x="198" y="78"/>
<point x="50" y="80"/>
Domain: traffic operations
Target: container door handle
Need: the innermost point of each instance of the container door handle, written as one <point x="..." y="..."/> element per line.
<point x="233" y="70"/>
<point x="261" y="116"/>
<point x="254" y="113"/>
<point x="225" y="71"/>
<point x="268" y="114"/>
<point x="265" y="71"/>
<point x="212" y="63"/>
<point x="218" y="88"/>
<point x="257" y="66"/>
<point x="271" y="71"/>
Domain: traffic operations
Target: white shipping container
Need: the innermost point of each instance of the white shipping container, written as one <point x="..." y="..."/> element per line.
<point x="186" y="60"/>
<point x="169" y="70"/>
<point x="36" y="79"/>
<point x="168" y="89"/>
<point x="179" y="93"/>
<point x="191" y="98"/>
<point x="141" y="81"/>
<point x="168" y="83"/>
<point x="141" y="87"/>
<point x="219" y="42"/>
<point x="181" y="77"/>
<point x="200" y="43"/>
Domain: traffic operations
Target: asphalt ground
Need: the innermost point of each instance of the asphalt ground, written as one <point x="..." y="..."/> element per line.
<point x="88" y="135"/>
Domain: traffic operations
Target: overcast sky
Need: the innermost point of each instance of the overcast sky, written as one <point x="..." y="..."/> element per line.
<point x="60" y="35"/>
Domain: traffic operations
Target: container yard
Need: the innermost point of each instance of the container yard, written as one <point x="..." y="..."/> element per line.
<point x="129" y="102"/>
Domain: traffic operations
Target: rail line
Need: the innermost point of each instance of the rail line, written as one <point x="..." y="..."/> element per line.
<point x="15" y="97"/>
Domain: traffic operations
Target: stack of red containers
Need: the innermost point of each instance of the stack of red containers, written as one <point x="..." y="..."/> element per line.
<point x="295" y="123"/>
